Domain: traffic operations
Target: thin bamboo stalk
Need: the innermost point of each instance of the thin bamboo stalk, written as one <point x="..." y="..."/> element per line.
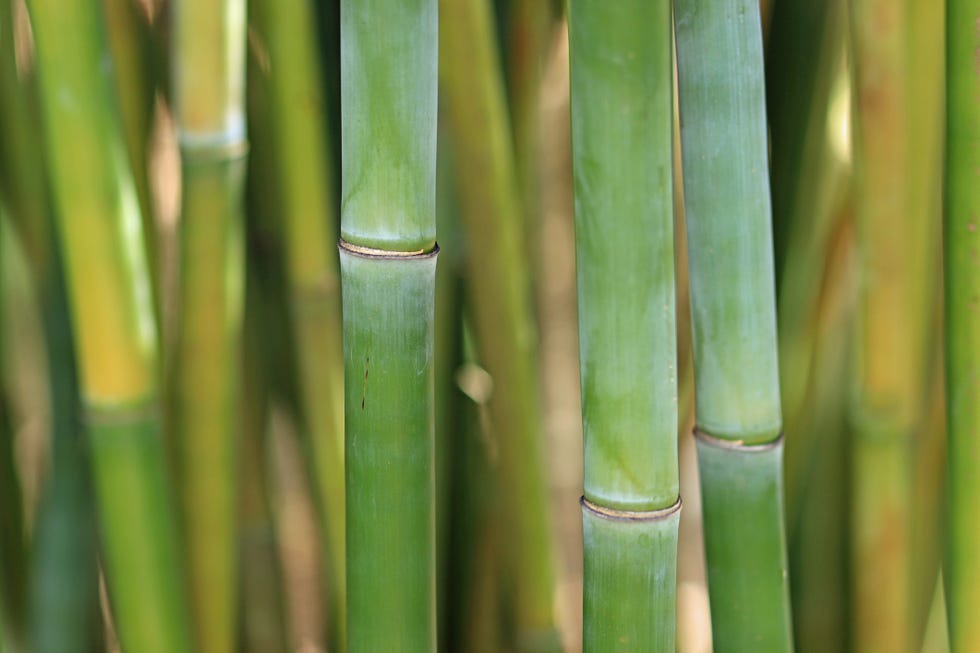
<point x="726" y="183"/>
<point x="622" y="66"/>
<point x="499" y="287"/>
<point x="962" y="578"/>
<point x="389" y="70"/>
<point x="208" y="76"/>
<point x="115" y="335"/>
<point x="305" y="196"/>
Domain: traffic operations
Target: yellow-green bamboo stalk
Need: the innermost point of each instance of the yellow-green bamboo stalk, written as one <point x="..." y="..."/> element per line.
<point x="895" y="289"/>
<point x="303" y="177"/>
<point x="208" y="76"/>
<point x="115" y="334"/>
<point x="962" y="238"/>
<point x="499" y="287"/>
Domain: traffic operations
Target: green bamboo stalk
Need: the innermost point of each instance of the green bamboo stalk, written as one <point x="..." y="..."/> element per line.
<point x="622" y="65"/>
<point x="389" y="70"/>
<point x="962" y="578"/>
<point x="108" y="287"/>
<point x="498" y="284"/>
<point x="208" y="76"/>
<point x="305" y="192"/>
<point x="63" y="574"/>
<point x="726" y="183"/>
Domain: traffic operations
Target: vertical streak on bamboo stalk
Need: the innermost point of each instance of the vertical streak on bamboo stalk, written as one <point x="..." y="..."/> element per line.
<point x="499" y="285"/>
<point x="208" y="73"/>
<point x="622" y="130"/>
<point x="886" y="406"/>
<point x="305" y="190"/>
<point x="726" y="183"/>
<point x="962" y="242"/>
<point x="108" y="283"/>
<point x="389" y="72"/>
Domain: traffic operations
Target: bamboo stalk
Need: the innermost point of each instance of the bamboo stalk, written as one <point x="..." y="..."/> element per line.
<point x="962" y="578"/>
<point x="208" y="75"/>
<point x="115" y="335"/>
<point x="499" y="287"/>
<point x="305" y="192"/>
<point x="389" y="69"/>
<point x="896" y="290"/>
<point x="622" y="65"/>
<point x="726" y="183"/>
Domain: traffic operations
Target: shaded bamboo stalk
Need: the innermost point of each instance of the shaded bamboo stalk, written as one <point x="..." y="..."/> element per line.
<point x="389" y="70"/>
<point x="304" y="179"/>
<point x="499" y="287"/>
<point x="208" y="76"/>
<point x="263" y="624"/>
<point x="622" y="66"/>
<point x="962" y="578"/>
<point x="115" y="335"/>
<point x="726" y="183"/>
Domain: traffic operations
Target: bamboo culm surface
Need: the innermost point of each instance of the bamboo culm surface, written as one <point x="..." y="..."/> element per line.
<point x="962" y="323"/>
<point x="208" y="78"/>
<point x="100" y="235"/>
<point x="389" y="71"/>
<point x="726" y="183"/>
<point x="622" y="130"/>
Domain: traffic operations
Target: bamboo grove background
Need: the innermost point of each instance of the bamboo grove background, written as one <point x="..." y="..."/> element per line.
<point x="178" y="325"/>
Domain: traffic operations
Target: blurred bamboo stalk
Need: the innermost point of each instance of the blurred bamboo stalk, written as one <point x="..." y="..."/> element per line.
<point x="499" y="287"/>
<point x="304" y="179"/>
<point x="622" y="65"/>
<point x="896" y="236"/>
<point x="263" y="624"/>
<point x="389" y="72"/>
<point x="208" y="74"/>
<point x="726" y="183"/>
<point x="962" y="576"/>
<point x="109" y="292"/>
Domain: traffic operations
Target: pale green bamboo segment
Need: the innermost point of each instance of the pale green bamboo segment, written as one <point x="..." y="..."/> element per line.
<point x="630" y="582"/>
<point x="389" y="305"/>
<point x="962" y="578"/>
<point x="622" y="111"/>
<point x="726" y="183"/>
<point x="498" y="282"/>
<point x="297" y="112"/>
<point x="389" y="71"/>
<point x="206" y="390"/>
<point x="208" y="71"/>
<point x="745" y="546"/>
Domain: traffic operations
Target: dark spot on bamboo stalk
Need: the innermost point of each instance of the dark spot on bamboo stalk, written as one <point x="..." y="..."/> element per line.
<point x="367" y="362"/>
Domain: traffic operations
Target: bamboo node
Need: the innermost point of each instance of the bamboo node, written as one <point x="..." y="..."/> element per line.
<point x="372" y="252"/>
<point x="662" y="514"/>
<point x="736" y="445"/>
